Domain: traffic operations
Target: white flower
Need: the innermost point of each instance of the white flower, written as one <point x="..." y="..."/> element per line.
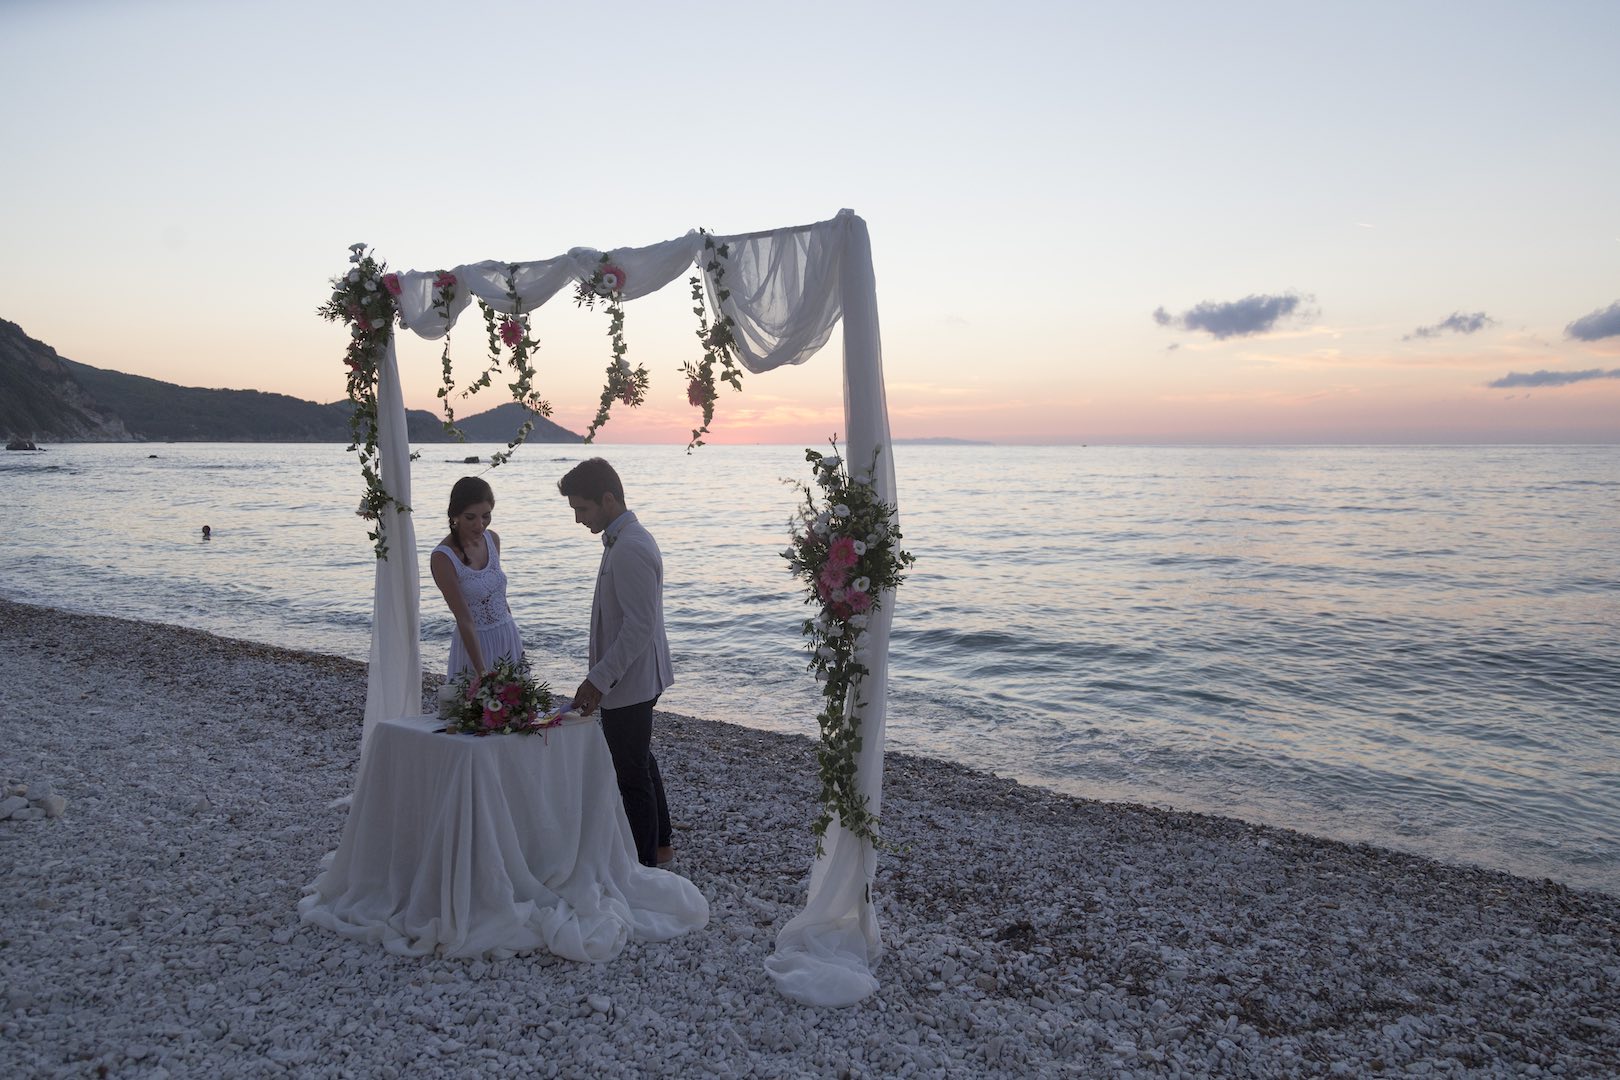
<point x="352" y="276"/>
<point x="841" y="510"/>
<point x="860" y="584"/>
<point x="355" y="251"/>
<point x="860" y="548"/>
<point x="371" y="286"/>
<point x="831" y="461"/>
<point x="858" y="621"/>
<point x="861" y="639"/>
<point x="337" y="298"/>
<point x="835" y="631"/>
<point x="821" y="676"/>
<point x="864" y="480"/>
<point x="624" y="366"/>
<point x="825" y="652"/>
<point x="378" y="324"/>
<point x="820" y="528"/>
<point x="871" y="538"/>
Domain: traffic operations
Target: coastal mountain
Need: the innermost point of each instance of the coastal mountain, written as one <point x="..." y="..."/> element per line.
<point x="48" y="398"/>
<point x="39" y="397"/>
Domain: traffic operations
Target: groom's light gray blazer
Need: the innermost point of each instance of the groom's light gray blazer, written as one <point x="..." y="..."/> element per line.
<point x="629" y="650"/>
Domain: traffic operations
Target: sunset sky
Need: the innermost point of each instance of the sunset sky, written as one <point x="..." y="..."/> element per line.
<point x="1103" y="223"/>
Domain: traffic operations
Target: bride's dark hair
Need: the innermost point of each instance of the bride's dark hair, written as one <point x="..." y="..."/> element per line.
<point x="469" y="491"/>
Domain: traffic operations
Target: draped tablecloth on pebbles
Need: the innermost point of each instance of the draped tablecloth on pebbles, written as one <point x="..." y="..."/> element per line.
<point x="492" y="846"/>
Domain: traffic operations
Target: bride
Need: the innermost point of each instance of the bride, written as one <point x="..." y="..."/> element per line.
<point x="467" y="568"/>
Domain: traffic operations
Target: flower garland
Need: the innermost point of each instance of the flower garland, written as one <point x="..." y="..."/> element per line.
<point x="719" y="345"/>
<point x="503" y="701"/>
<point x="512" y="332"/>
<point x="606" y="284"/>
<point x="363" y="298"/>
<point x="444" y="292"/>
<point x="847" y="553"/>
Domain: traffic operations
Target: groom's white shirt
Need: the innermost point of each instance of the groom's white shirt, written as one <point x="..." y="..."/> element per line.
<point x="629" y="650"/>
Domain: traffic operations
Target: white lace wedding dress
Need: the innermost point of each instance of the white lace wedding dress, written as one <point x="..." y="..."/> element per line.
<point x="485" y="594"/>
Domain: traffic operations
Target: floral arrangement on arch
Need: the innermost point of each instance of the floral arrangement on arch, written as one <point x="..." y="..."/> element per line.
<point x="509" y="333"/>
<point x="846" y="551"/>
<point x="364" y="300"/>
<point x="502" y="701"/>
<point x="624" y="385"/>
<point x="719" y="344"/>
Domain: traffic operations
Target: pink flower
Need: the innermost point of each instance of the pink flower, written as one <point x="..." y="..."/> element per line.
<point x="612" y="278"/>
<point x="628" y="394"/>
<point x="445" y="280"/>
<point x="842" y="553"/>
<point x="493" y="717"/>
<point x="860" y="602"/>
<point x="511" y="332"/>
<point x="696" y="393"/>
<point x="391" y="283"/>
<point x="472" y="687"/>
<point x="833" y="578"/>
<point x="511" y="693"/>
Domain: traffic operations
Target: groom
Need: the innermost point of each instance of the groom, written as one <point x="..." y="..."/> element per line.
<point x="629" y="654"/>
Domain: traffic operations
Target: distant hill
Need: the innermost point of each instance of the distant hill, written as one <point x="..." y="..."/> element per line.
<point x="40" y="399"/>
<point x="48" y="398"/>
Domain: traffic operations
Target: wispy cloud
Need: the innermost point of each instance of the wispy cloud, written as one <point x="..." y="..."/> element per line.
<point x="1235" y="318"/>
<point x="1551" y="378"/>
<point x="1455" y="323"/>
<point x="1599" y="324"/>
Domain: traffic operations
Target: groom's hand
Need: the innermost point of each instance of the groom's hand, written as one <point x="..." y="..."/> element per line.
<point x="587" y="698"/>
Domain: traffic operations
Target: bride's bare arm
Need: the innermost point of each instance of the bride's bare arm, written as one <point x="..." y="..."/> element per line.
<point x="444" y="576"/>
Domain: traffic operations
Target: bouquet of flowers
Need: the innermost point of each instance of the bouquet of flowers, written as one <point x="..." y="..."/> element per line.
<point x="846" y="551"/>
<point x="503" y="701"/>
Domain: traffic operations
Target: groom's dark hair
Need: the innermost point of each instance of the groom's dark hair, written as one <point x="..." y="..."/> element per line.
<point x="589" y="479"/>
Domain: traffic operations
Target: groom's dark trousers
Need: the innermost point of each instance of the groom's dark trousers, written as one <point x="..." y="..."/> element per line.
<point x="628" y="732"/>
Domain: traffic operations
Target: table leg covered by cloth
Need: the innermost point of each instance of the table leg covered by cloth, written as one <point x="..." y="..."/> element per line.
<point x="469" y="846"/>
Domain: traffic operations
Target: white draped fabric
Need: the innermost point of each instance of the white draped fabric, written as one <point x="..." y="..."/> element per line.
<point x="788" y="289"/>
<point x="394" y="677"/>
<point x="489" y="847"/>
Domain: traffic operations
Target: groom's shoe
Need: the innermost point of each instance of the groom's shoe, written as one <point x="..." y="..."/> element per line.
<point x="666" y="855"/>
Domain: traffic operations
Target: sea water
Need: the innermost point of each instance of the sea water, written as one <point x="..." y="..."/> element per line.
<point x="1417" y="647"/>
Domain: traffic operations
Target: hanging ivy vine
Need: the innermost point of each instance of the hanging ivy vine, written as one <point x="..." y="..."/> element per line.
<point x="364" y="300"/>
<point x="719" y="344"/>
<point x="623" y="385"/>
<point x="511" y="332"/>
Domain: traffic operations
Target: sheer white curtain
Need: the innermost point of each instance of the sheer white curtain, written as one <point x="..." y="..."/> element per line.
<point x="788" y="289"/>
<point x="394" y="677"/>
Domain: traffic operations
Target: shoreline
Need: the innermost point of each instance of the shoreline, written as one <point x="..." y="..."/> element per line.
<point x="155" y="925"/>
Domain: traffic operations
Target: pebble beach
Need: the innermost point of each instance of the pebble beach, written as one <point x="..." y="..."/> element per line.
<point x="171" y="794"/>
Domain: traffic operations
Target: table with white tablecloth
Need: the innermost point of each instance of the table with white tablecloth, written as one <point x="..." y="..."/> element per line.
<point x="494" y="845"/>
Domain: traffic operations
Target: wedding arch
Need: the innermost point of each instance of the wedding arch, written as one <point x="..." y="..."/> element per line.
<point x="775" y="298"/>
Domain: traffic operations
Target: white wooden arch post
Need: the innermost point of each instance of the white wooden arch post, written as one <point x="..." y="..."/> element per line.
<point x="788" y="288"/>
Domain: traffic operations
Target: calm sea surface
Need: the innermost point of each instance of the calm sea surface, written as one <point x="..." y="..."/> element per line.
<point x="1413" y="646"/>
